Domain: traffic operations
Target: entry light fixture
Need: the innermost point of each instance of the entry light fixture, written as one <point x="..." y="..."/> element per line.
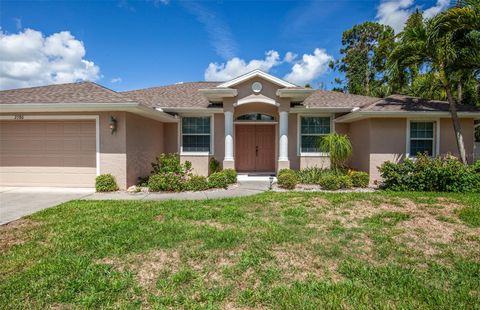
<point x="112" y="124"/>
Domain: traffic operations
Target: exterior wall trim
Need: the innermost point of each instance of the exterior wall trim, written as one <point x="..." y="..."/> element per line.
<point x="299" y="136"/>
<point x="356" y="116"/>
<point x="212" y="133"/>
<point x="253" y="74"/>
<point x="66" y="117"/>
<point x="436" y="138"/>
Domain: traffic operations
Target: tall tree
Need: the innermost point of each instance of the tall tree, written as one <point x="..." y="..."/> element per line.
<point x="365" y="50"/>
<point x="448" y="46"/>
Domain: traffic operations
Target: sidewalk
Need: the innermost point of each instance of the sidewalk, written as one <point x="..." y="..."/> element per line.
<point x="243" y="188"/>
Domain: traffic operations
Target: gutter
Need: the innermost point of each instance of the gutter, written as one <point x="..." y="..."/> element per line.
<point x="356" y="115"/>
<point x="132" y="107"/>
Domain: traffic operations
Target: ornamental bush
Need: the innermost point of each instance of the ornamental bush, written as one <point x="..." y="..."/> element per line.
<point x="334" y="182"/>
<point x="218" y="180"/>
<point x="105" y="183"/>
<point x="169" y="181"/>
<point x="359" y="179"/>
<point x="287" y="179"/>
<point x="311" y="175"/>
<point x="196" y="183"/>
<point x="231" y="175"/>
<point x="426" y="174"/>
<point x="214" y="165"/>
<point x="166" y="163"/>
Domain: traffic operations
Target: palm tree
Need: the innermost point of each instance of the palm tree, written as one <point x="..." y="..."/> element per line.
<point x="339" y="147"/>
<point x="448" y="46"/>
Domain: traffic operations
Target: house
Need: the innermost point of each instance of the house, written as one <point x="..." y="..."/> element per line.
<point x="65" y="135"/>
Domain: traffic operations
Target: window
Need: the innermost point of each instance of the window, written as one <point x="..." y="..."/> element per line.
<point x="422" y="138"/>
<point x="312" y="129"/>
<point x="255" y="117"/>
<point x="196" y="134"/>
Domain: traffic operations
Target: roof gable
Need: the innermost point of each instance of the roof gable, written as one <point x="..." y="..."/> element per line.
<point x="257" y="73"/>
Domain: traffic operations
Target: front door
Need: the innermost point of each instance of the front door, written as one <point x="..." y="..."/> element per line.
<point x="255" y="148"/>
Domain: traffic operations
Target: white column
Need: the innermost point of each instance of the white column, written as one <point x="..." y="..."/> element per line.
<point x="228" y="136"/>
<point x="283" y="133"/>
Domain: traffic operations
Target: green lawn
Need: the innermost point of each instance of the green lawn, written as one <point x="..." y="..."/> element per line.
<point x="273" y="250"/>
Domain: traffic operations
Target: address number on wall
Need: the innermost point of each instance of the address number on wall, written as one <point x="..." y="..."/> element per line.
<point x="18" y="116"/>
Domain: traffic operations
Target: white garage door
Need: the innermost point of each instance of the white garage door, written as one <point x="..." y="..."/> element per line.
<point x="48" y="153"/>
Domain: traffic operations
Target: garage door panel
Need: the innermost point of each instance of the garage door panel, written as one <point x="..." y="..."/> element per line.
<point x="47" y="153"/>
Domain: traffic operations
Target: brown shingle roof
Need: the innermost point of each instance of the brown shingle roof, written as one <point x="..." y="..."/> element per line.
<point x="401" y="103"/>
<point x="332" y="99"/>
<point x="183" y="95"/>
<point x="82" y="92"/>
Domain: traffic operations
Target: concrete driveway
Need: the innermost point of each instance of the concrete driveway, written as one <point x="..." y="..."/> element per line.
<point x="16" y="202"/>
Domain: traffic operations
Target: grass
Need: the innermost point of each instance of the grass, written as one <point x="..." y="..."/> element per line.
<point x="273" y="250"/>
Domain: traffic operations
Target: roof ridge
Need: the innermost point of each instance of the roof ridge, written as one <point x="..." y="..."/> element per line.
<point x="169" y="85"/>
<point x="49" y="85"/>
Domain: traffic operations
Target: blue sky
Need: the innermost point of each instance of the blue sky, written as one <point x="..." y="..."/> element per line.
<point x="136" y="44"/>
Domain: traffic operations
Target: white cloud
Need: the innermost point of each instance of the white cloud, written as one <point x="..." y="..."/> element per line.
<point x="116" y="80"/>
<point x="434" y="10"/>
<point x="18" y="23"/>
<point x="31" y="59"/>
<point x="217" y="29"/>
<point x="236" y="66"/>
<point x="396" y="12"/>
<point x="290" y="57"/>
<point x="309" y="68"/>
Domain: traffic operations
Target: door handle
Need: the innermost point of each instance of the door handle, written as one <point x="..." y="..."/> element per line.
<point x="256" y="151"/>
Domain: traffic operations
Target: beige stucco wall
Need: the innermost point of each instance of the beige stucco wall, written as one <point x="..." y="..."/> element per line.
<point x="359" y="134"/>
<point x="387" y="142"/>
<point x="170" y="137"/>
<point x="145" y="141"/>
<point x="199" y="163"/>
<point x="219" y="137"/>
<point x="448" y="142"/>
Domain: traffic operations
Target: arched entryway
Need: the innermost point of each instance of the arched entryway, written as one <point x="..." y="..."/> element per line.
<point x="255" y="142"/>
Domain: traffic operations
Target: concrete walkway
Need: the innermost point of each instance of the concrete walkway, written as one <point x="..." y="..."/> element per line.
<point x="16" y="202"/>
<point x="243" y="188"/>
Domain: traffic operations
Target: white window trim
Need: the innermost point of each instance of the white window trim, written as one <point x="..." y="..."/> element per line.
<point x="436" y="135"/>
<point x="20" y="117"/>
<point x="180" y="136"/>
<point x="299" y="135"/>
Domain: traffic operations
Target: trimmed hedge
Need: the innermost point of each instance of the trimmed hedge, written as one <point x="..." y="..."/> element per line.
<point x="287" y="179"/>
<point x="231" y="175"/>
<point x="218" y="180"/>
<point x="168" y="182"/>
<point x="105" y="183"/>
<point x="432" y="175"/>
<point x="197" y="183"/>
<point x="335" y="182"/>
<point x="359" y="179"/>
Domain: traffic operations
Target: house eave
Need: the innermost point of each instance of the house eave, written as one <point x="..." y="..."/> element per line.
<point x="303" y="109"/>
<point x="218" y="93"/>
<point x="132" y="107"/>
<point x="301" y="93"/>
<point x="256" y="73"/>
<point x="190" y="110"/>
<point x="356" y="116"/>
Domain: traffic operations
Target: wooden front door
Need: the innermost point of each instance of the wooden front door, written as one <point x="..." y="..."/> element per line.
<point x="255" y="148"/>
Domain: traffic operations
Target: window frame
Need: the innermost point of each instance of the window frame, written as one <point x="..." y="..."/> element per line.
<point x="435" y="139"/>
<point x="180" y="136"/>
<point x="299" y="134"/>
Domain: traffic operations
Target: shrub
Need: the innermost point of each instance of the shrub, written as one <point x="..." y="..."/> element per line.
<point x="231" y="175"/>
<point x="166" y="163"/>
<point x="359" y="178"/>
<point x="334" y="182"/>
<point x="339" y="147"/>
<point x="214" y="165"/>
<point x="287" y="178"/>
<point x="217" y="180"/>
<point x="196" y="183"/>
<point x="426" y="174"/>
<point x="169" y="181"/>
<point x="105" y="183"/>
<point x="311" y="175"/>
